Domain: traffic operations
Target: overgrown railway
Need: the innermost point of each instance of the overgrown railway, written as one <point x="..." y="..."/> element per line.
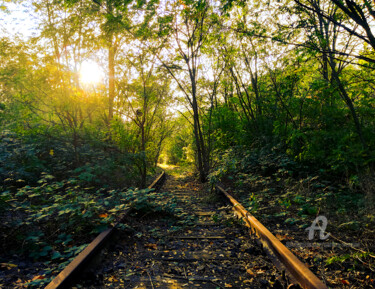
<point x="208" y="249"/>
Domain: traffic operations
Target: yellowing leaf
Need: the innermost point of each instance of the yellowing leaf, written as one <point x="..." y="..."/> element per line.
<point x="103" y="215"/>
<point x="151" y="246"/>
<point x="38" y="277"/>
<point x="283" y="237"/>
<point x="8" y="265"/>
<point x="112" y="279"/>
<point x="228" y="285"/>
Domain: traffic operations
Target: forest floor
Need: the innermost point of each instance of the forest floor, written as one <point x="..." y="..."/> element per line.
<point x="199" y="243"/>
<point x="205" y="248"/>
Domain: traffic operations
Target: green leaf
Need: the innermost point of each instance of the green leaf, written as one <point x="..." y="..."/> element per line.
<point x="56" y="255"/>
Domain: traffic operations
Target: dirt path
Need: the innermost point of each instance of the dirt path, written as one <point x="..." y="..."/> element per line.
<point x="207" y="248"/>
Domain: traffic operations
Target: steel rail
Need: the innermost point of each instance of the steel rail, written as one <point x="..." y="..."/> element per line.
<point x="64" y="278"/>
<point x="158" y="181"/>
<point x="296" y="269"/>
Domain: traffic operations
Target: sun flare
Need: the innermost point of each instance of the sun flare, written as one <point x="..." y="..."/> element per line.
<point x="90" y="73"/>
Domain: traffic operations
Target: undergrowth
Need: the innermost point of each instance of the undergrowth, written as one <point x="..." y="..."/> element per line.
<point x="275" y="187"/>
<point x="53" y="221"/>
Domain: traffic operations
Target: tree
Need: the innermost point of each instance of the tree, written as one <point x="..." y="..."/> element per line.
<point x="192" y="24"/>
<point x="324" y="39"/>
<point x="145" y="96"/>
<point x="355" y="16"/>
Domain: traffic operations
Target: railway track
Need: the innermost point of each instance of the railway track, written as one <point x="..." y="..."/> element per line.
<point x="210" y="250"/>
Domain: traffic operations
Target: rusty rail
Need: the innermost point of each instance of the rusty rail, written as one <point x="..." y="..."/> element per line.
<point x="66" y="276"/>
<point x="296" y="269"/>
<point x="157" y="183"/>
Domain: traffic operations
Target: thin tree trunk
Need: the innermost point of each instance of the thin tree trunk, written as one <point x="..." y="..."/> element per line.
<point x="111" y="77"/>
<point x="202" y="166"/>
<point x="348" y="102"/>
<point x="144" y="159"/>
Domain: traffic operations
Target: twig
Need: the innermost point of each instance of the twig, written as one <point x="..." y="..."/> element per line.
<point x="350" y="246"/>
<point x="185" y="274"/>
<point x="217" y="284"/>
<point x="149" y="276"/>
<point x="364" y="263"/>
<point x="192" y="279"/>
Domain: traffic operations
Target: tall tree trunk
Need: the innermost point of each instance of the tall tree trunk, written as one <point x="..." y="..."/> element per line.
<point x="199" y="141"/>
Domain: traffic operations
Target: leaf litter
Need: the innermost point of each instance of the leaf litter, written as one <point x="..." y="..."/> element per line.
<point x="203" y="246"/>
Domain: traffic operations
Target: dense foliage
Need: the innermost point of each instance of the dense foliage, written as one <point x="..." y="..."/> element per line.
<point x="296" y="74"/>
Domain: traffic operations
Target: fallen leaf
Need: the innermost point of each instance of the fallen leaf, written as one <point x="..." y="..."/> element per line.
<point x="250" y="272"/>
<point x="38" y="277"/>
<point x="228" y="285"/>
<point x="283" y="237"/>
<point x="112" y="279"/>
<point x="7" y="266"/>
<point x="345" y="282"/>
<point x="151" y="246"/>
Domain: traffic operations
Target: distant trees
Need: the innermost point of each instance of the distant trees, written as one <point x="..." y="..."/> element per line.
<point x="191" y="27"/>
<point x="144" y="97"/>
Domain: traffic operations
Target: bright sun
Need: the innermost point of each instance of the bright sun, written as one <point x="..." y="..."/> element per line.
<point x="90" y="73"/>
